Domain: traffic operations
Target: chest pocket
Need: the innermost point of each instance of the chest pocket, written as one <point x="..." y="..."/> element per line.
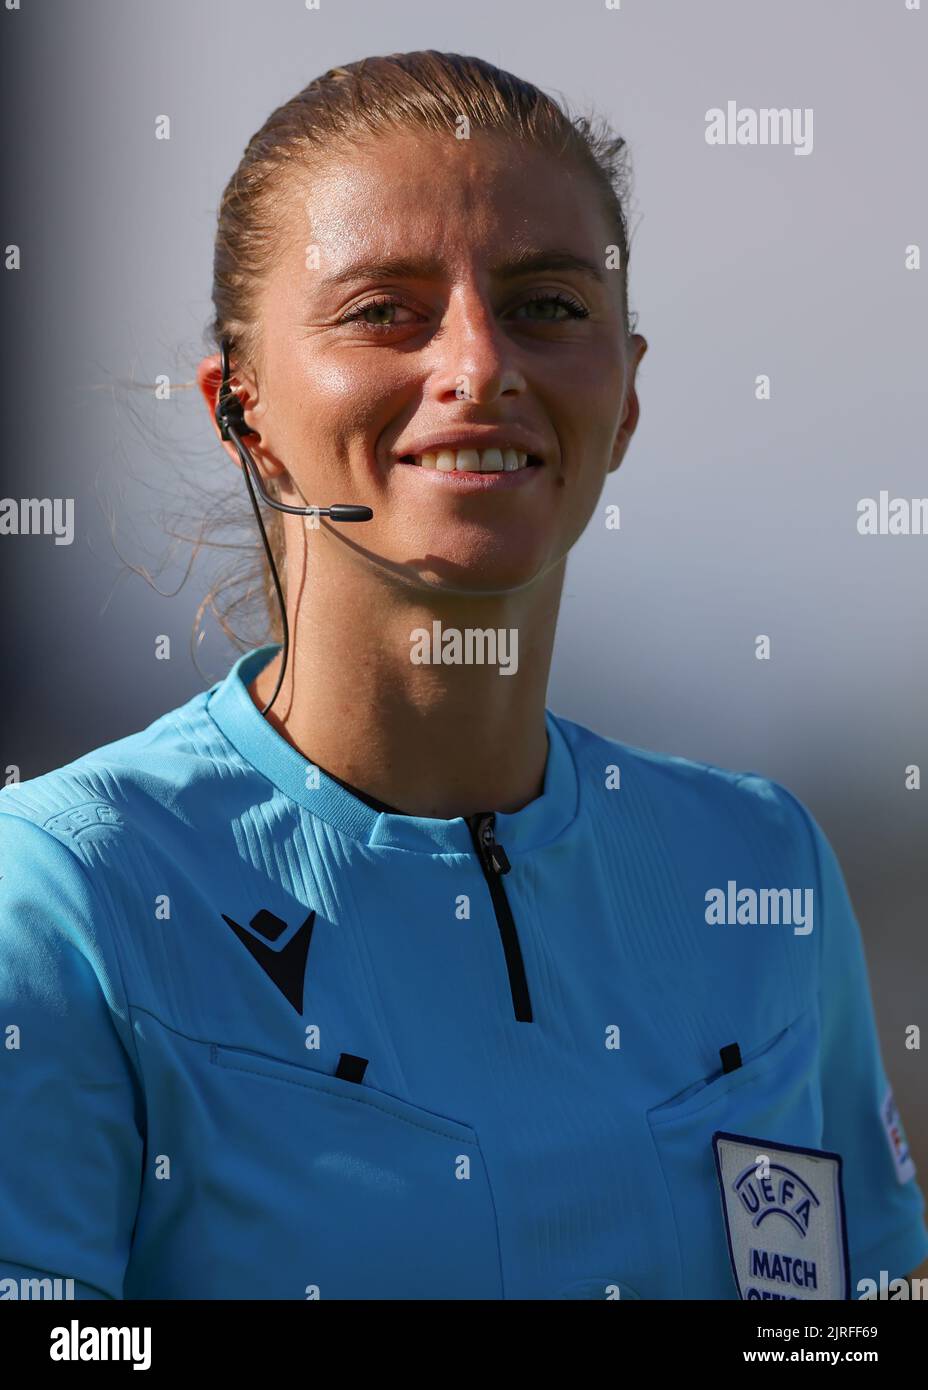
<point x="774" y="1096"/>
<point x="349" y="1192"/>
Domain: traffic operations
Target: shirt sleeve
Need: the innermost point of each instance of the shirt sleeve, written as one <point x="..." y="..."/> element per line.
<point x="70" y="1101"/>
<point x="884" y="1206"/>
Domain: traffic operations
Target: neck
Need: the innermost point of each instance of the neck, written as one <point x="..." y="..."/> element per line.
<point x="433" y="740"/>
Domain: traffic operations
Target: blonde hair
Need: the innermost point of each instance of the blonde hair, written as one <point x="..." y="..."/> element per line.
<point x="347" y="106"/>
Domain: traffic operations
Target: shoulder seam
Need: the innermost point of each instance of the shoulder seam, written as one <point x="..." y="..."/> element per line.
<point x="95" y="897"/>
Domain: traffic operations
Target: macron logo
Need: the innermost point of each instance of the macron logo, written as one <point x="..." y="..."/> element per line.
<point x="284" y="965"/>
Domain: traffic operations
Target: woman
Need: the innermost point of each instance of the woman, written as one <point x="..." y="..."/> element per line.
<point x="362" y="974"/>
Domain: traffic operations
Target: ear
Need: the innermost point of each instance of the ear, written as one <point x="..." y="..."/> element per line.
<point x="636" y="349"/>
<point x="209" y="380"/>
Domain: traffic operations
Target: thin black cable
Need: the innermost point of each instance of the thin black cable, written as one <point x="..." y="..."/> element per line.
<point x="246" y="457"/>
<point x="230" y="417"/>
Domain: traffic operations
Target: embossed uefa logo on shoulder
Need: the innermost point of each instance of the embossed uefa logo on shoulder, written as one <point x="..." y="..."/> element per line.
<point x="90" y="815"/>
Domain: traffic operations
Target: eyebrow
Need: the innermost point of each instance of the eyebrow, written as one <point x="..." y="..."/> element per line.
<point x="525" y="262"/>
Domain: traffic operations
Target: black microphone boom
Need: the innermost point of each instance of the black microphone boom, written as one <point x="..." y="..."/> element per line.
<point x="230" y="417"/>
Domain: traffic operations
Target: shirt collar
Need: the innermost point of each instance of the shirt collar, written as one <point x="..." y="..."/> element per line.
<point x="232" y="709"/>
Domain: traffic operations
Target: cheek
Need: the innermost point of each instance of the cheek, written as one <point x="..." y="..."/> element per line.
<point x="585" y="409"/>
<point x="582" y="391"/>
<point x="592" y="398"/>
<point x="352" y="399"/>
<point x="331" y="394"/>
<point x="340" y="407"/>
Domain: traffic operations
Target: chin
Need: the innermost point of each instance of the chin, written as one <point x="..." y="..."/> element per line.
<point x="455" y="575"/>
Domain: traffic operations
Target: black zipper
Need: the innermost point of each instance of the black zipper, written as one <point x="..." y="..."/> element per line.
<point x="495" y="862"/>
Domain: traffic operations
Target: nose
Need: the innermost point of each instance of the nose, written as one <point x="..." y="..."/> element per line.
<point x="475" y="359"/>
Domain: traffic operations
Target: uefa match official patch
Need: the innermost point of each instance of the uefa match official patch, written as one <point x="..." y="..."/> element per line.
<point x="784" y="1217"/>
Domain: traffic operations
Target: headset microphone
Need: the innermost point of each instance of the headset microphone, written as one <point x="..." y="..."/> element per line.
<point x="230" y="417"/>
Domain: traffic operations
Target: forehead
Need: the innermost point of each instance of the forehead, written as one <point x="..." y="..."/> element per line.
<point x="453" y="199"/>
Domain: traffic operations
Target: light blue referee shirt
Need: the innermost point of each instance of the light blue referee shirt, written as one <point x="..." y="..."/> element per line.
<point x="263" y="1040"/>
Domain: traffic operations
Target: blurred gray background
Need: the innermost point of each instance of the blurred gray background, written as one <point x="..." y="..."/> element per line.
<point x="738" y="516"/>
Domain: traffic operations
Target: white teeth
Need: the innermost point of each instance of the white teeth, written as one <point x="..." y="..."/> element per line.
<point x="474" y="460"/>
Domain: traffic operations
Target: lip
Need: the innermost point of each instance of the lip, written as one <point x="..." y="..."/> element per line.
<point x="462" y="481"/>
<point x="489" y="438"/>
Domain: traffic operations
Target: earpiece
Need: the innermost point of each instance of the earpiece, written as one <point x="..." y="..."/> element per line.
<point x="229" y="408"/>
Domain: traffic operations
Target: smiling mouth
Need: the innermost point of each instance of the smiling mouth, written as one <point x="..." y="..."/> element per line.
<point x="473" y="460"/>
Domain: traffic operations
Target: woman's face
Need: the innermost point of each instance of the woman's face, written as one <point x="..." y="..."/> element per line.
<point x="403" y="314"/>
